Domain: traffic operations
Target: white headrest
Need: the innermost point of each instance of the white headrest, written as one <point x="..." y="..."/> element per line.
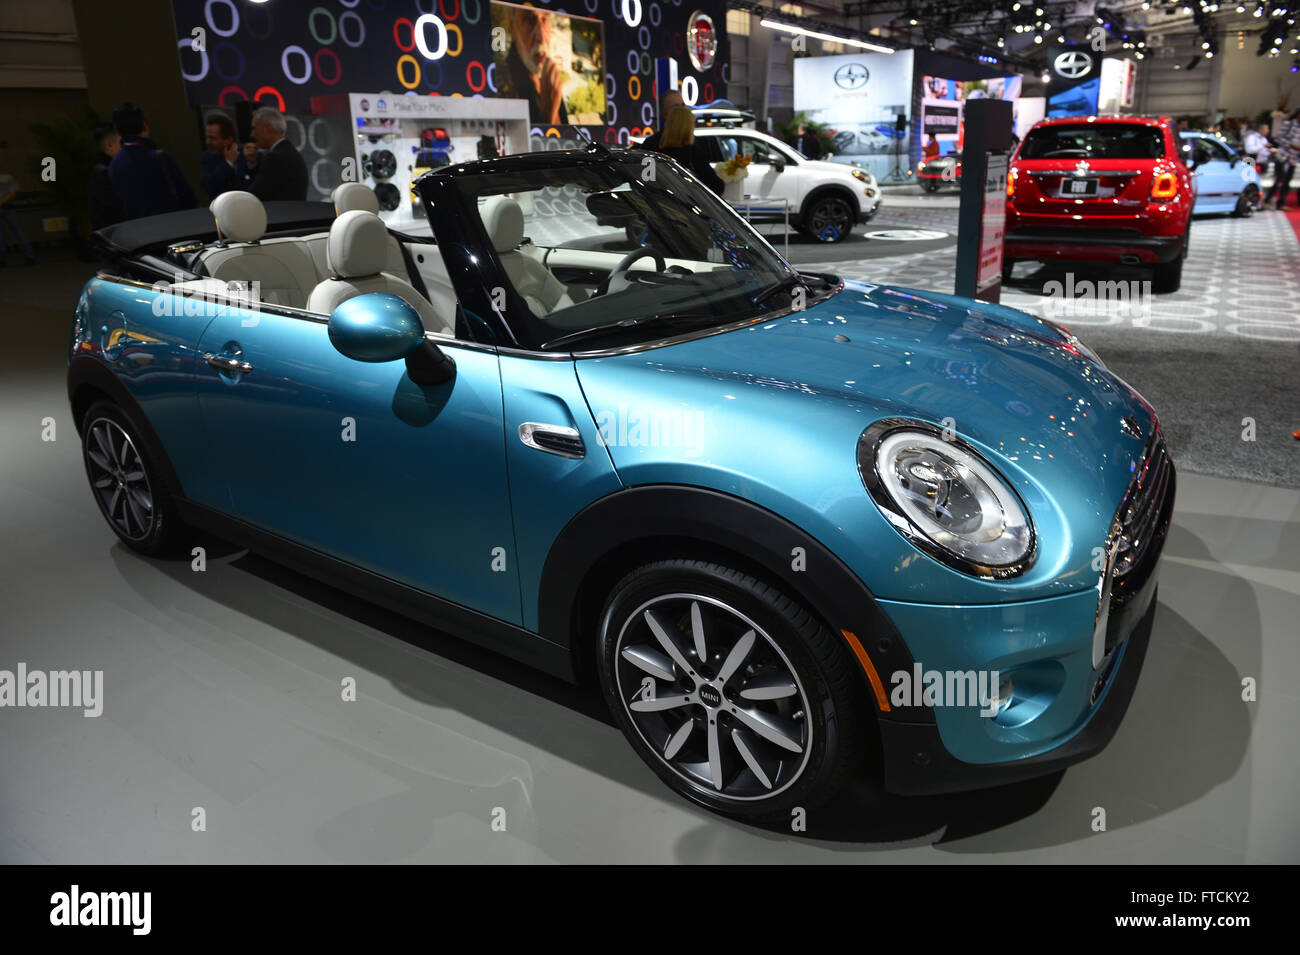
<point x="504" y="221"/>
<point x="358" y="245"/>
<point x="354" y="195"/>
<point x="240" y="216"/>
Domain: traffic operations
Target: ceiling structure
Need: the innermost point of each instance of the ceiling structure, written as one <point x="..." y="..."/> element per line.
<point x="1021" y="33"/>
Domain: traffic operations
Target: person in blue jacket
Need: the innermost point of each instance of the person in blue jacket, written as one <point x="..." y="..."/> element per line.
<point x="147" y="179"/>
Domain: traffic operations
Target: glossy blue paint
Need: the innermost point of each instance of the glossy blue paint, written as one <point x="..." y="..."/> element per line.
<point x="354" y="459"/>
<point x="148" y="339"/>
<point x="375" y="327"/>
<point x="1045" y="646"/>
<point x="546" y="489"/>
<point x="776" y="410"/>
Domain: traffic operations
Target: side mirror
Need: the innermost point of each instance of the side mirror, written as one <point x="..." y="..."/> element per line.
<point x="778" y="164"/>
<point x="1200" y="156"/>
<point x="379" y="327"/>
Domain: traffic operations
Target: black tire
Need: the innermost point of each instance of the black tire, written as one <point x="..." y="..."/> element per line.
<point x="930" y="185"/>
<point x="1246" y="202"/>
<point x="822" y="711"/>
<point x="1168" y="276"/>
<point x="127" y="484"/>
<point x="828" y="218"/>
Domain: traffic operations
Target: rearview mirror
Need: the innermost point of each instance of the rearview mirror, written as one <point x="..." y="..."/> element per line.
<point x="778" y="165"/>
<point x="380" y="327"/>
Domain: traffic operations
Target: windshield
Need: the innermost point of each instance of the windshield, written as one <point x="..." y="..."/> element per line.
<point x="1094" y="141"/>
<point x="595" y="252"/>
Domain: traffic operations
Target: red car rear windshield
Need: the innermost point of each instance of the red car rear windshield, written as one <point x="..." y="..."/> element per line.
<point x="1094" y="141"/>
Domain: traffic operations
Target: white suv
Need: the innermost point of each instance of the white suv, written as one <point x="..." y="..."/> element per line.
<point x="826" y="198"/>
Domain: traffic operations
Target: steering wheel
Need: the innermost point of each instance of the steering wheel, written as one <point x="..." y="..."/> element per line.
<point x="617" y="279"/>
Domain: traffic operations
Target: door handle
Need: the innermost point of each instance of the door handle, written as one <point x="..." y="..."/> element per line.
<point x="228" y="366"/>
<point x="553" y="439"/>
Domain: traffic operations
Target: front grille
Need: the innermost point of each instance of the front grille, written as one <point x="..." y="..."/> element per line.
<point x="1142" y="517"/>
<point x="1142" y="523"/>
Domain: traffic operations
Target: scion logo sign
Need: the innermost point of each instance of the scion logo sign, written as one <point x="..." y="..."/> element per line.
<point x="852" y="76"/>
<point x="1072" y="64"/>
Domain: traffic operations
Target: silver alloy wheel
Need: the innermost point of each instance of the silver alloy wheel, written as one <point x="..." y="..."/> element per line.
<point x="118" y="478"/>
<point x="713" y="696"/>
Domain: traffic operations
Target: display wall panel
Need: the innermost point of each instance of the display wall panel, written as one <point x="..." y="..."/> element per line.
<point x="295" y="53"/>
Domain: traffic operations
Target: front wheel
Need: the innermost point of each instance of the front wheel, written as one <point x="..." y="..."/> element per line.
<point x="1247" y="202"/>
<point x="736" y="696"/>
<point x="127" y="483"/>
<point x="828" y="219"/>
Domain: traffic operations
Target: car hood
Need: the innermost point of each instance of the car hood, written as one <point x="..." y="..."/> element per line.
<point x="808" y="383"/>
<point x="832" y="168"/>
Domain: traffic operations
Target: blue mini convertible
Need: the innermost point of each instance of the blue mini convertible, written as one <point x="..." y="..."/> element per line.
<point x="794" y="527"/>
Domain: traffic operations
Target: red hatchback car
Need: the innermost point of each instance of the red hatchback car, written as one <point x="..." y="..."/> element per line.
<point x="1101" y="189"/>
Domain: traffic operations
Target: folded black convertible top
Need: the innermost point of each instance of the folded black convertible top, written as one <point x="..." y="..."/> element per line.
<point x="155" y="233"/>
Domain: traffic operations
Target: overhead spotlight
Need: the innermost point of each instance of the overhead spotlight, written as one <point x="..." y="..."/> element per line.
<point x="1209" y="54"/>
<point x="1205" y="46"/>
<point x="1047" y="77"/>
<point x="1038" y="39"/>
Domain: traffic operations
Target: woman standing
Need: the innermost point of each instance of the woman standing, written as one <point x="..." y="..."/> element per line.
<point x="678" y="141"/>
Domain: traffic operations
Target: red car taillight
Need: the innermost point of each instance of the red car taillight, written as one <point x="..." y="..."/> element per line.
<point x="1011" y="183"/>
<point x="1165" y="186"/>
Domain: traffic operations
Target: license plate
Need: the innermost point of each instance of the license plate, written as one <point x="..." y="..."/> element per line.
<point x="1078" y="187"/>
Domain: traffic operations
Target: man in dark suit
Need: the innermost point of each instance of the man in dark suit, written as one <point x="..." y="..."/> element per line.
<point x="147" y="179"/>
<point x="224" y="167"/>
<point x="276" y="171"/>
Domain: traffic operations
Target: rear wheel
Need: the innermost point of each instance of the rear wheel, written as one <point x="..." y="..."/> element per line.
<point x="736" y="696"/>
<point x="1169" y="275"/>
<point x="127" y="483"/>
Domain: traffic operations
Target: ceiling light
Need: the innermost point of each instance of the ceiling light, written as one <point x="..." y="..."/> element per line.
<point x="800" y="31"/>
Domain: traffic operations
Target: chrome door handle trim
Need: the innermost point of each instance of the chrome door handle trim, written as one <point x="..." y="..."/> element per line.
<point x="553" y="439"/>
<point x="229" y="366"/>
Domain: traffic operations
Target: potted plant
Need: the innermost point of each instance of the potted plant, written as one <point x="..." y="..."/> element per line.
<point x="732" y="172"/>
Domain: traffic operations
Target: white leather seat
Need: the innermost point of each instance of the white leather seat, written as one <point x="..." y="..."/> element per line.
<point x="504" y="221"/>
<point x="354" y="195"/>
<point x="282" y="267"/>
<point x="357" y="253"/>
<point x="346" y="198"/>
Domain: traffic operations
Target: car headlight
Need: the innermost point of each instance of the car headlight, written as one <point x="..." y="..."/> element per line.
<point x="946" y="499"/>
<point x="863" y="176"/>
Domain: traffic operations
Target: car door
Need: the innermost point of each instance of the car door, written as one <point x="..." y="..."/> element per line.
<point x="356" y="461"/>
<point x="1218" y="182"/>
<point x="764" y="180"/>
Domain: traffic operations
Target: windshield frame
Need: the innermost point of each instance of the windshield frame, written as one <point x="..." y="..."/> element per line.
<point x="475" y="269"/>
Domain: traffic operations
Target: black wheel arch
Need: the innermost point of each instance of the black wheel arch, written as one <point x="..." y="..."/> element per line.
<point x="89" y="381"/>
<point x="643" y="524"/>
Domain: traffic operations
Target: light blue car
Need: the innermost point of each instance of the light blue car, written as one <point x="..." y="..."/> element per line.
<point x="794" y="528"/>
<point x="1226" y="181"/>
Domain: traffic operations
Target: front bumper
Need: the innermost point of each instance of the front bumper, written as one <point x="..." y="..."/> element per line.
<point x="916" y="761"/>
<point x="1063" y="709"/>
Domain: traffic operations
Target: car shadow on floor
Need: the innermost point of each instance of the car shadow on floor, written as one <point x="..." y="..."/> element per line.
<point x="1173" y="747"/>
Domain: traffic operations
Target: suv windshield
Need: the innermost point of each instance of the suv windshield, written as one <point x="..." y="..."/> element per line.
<point x="1094" y="141"/>
<point x="599" y="251"/>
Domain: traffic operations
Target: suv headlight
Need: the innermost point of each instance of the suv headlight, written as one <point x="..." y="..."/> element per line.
<point x="863" y="176"/>
<point x="946" y="499"/>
